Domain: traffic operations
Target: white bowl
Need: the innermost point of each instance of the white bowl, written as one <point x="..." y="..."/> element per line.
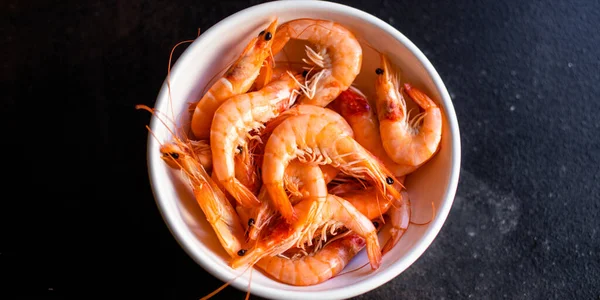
<point x="209" y="54"/>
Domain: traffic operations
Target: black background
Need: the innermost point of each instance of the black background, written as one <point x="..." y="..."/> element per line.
<point x="79" y="219"/>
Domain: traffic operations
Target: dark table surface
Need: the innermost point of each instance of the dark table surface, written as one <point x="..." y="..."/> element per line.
<point x="83" y="222"/>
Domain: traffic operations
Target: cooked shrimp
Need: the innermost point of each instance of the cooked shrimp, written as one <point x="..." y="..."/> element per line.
<point x="183" y="154"/>
<point x="232" y="123"/>
<point x="338" y="54"/>
<point x="303" y="181"/>
<point x="255" y="218"/>
<point x="403" y="141"/>
<point x="245" y="170"/>
<point x="318" y="139"/>
<point x="335" y="211"/>
<point x="237" y="80"/>
<point x="354" y="107"/>
<point x="315" y="268"/>
<point x="258" y="217"/>
<point x="265" y="75"/>
<point x="217" y="209"/>
<point x="368" y="202"/>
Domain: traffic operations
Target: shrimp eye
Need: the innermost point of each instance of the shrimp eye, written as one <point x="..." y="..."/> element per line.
<point x="239" y="148"/>
<point x="250" y="222"/>
<point x="174" y="155"/>
<point x="389" y="180"/>
<point x="268" y="36"/>
<point x="376" y="224"/>
<point x="261" y="33"/>
<point x="242" y="252"/>
<point x="304" y="73"/>
<point x="379" y="71"/>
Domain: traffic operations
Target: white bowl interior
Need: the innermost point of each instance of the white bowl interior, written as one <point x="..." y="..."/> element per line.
<point x="211" y="53"/>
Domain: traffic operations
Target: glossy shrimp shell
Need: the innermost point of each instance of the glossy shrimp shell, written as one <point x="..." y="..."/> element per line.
<point x="318" y="139"/>
<point x="405" y="141"/>
<point x="232" y="123"/>
<point x="237" y="80"/>
<point x="338" y="55"/>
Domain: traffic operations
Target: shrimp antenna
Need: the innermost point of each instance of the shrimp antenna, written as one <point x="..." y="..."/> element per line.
<point x="169" y="72"/>
<point x="352" y="271"/>
<point x="249" y="283"/>
<point x="363" y="41"/>
<point x="156" y="113"/>
<point x="224" y="285"/>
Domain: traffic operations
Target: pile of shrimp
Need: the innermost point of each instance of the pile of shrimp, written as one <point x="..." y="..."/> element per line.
<point x="294" y="168"/>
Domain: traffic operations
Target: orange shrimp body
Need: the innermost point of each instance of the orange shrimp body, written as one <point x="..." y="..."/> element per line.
<point x="355" y="108"/>
<point x="335" y="211"/>
<point x="368" y="202"/>
<point x="315" y="268"/>
<point x="338" y="55"/>
<point x="404" y="142"/>
<point x="302" y="181"/>
<point x="318" y="139"/>
<point x="237" y="80"/>
<point x="232" y="123"/>
<point x="218" y="210"/>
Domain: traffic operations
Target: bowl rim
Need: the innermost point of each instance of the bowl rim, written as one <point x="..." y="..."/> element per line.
<point x="384" y="276"/>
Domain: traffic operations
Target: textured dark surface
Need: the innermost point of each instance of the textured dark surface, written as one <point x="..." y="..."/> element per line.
<point x="523" y="76"/>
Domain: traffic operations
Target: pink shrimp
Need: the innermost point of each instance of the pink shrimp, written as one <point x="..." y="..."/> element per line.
<point x="338" y="55"/>
<point x="317" y="138"/>
<point x="281" y="236"/>
<point x="403" y="141"/>
<point x="232" y="123"/>
<point x="237" y="80"/>
<point x="354" y="107"/>
<point x="314" y="268"/>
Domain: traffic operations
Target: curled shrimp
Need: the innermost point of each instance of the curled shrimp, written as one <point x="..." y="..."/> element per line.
<point x="335" y="212"/>
<point x="303" y="181"/>
<point x="403" y="141"/>
<point x="354" y="107"/>
<point x="314" y="268"/>
<point x="317" y="138"/>
<point x="338" y="54"/>
<point x="237" y="80"/>
<point x="232" y="123"/>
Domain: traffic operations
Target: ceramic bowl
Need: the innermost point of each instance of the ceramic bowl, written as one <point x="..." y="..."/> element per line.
<point x="210" y="53"/>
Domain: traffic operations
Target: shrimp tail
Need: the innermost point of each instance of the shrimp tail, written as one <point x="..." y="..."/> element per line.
<point x="418" y="96"/>
<point x="241" y="193"/>
<point x="373" y="251"/>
